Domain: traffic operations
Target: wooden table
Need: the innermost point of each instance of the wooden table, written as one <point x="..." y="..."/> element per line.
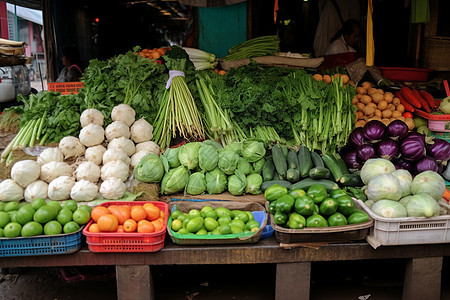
<point x="293" y="271"/>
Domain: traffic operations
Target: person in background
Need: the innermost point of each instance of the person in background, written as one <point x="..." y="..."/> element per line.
<point x="345" y="39"/>
<point x="71" y="61"/>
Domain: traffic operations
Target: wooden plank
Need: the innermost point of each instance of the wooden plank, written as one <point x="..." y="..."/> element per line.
<point x="423" y="279"/>
<point x="293" y="281"/>
<point x="134" y="282"/>
<point x="223" y="196"/>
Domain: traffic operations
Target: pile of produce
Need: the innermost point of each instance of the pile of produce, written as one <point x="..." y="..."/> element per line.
<point x="416" y="99"/>
<point x="260" y="46"/>
<point x="209" y="221"/>
<point x="394" y="193"/>
<point x="147" y="218"/>
<point x="201" y="167"/>
<point x="411" y="151"/>
<point x="317" y="207"/>
<point x="41" y="217"/>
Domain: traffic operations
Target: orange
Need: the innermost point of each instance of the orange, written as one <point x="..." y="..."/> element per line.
<point x="98" y="211"/>
<point x="122" y="212"/>
<point x="162" y="214"/>
<point x="94" y="228"/>
<point x="145" y="226"/>
<point x="108" y="223"/>
<point x="138" y="213"/>
<point x="120" y="229"/>
<point x="158" y="225"/>
<point x="152" y="211"/>
<point x="129" y="225"/>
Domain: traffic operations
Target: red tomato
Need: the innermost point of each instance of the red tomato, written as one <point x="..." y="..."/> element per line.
<point x="408" y="115"/>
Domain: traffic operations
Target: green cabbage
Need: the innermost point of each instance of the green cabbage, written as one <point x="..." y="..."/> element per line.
<point x="216" y="181"/>
<point x="374" y="167"/>
<point x="254" y="182"/>
<point x="404" y="179"/>
<point x="445" y="105"/>
<point x="384" y="186"/>
<point x="188" y="155"/>
<point x="235" y="147"/>
<point x="175" y="180"/>
<point x="253" y="150"/>
<point x="196" y="184"/>
<point x="389" y="209"/>
<point x="212" y="143"/>
<point x="208" y="157"/>
<point x="405" y="200"/>
<point x="237" y="183"/>
<point x="149" y="169"/>
<point x="422" y="205"/>
<point x="430" y="183"/>
<point x="228" y="160"/>
<point x="172" y="156"/>
<point x="258" y="165"/>
<point x="244" y="166"/>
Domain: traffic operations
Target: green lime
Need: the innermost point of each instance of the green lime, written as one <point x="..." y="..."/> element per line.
<point x="252" y="224"/>
<point x="45" y="214"/>
<point x="64" y="216"/>
<point x="37" y="203"/>
<point x="71" y="227"/>
<point x="81" y="216"/>
<point x="193" y="213"/>
<point x="55" y="204"/>
<point x="9" y="206"/>
<point x="236" y="229"/>
<point x="238" y="222"/>
<point x="250" y="215"/>
<point x="195" y="224"/>
<point x="25" y="214"/>
<point x="12" y="229"/>
<point x="205" y="210"/>
<point x="2" y="206"/>
<point x="210" y="224"/>
<point x="175" y="214"/>
<point x="176" y="225"/>
<point x="216" y="231"/>
<point x="71" y="204"/>
<point x="222" y="211"/>
<point x="225" y="220"/>
<point x="183" y="231"/>
<point x="31" y="228"/>
<point x="52" y="228"/>
<point x="182" y="217"/>
<point x="234" y="213"/>
<point x="12" y="215"/>
<point x="23" y="204"/>
<point x="242" y="216"/>
<point x="202" y="232"/>
<point x="4" y="219"/>
<point x="211" y="214"/>
<point x="86" y="208"/>
<point x="224" y="229"/>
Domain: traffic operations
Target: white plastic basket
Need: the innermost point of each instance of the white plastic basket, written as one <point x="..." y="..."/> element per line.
<point x="407" y="231"/>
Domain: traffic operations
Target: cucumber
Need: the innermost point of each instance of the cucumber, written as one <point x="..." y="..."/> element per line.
<point x="342" y="165"/>
<point x="332" y="164"/>
<point x="292" y="160"/>
<point x="317" y="161"/>
<point x="266" y="184"/>
<point x="306" y="183"/>
<point x="304" y="161"/>
<point x="285" y="151"/>
<point x="279" y="160"/>
<point x="351" y="180"/>
<point x="293" y="175"/>
<point x="275" y="175"/>
<point x="319" y="173"/>
<point x="268" y="169"/>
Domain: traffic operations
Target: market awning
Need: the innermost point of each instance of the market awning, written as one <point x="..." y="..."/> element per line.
<point x="29" y="14"/>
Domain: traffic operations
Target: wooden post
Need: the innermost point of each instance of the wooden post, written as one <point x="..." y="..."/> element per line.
<point x="293" y="281"/>
<point x="134" y="282"/>
<point x="423" y="279"/>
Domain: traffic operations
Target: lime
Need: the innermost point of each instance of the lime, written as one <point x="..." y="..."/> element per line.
<point x="183" y="231"/>
<point x="195" y="224"/>
<point x="12" y="215"/>
<point x="224" y="229"/>
<point x="242" y="216"/>
<point x="4" y="219"/>
<point x="9" y="206"/>
<point x="25" y="214"/>
<point x="185" y="222"/>
<point x="81" y="216"/>
<point x="52" y="228"/>
<point x="202" y="232"/>
<point x="1" y="232"/>
<point x="225" y="220"/>
<point x="31" y="228"/>
<point x="45" y="214"/>
<point x="175" y="214"/>
<point x="12" y="229"/>
<point x="71" y="227"/>
<point x="86" y="208"/>
<point x="236" y="229"/>
<point x="234" y="213"/>
<point x="238" y="222"/>
<point x="71" y="204"/>
<point x="64" y="216"/>
<point x="37" y="203"/>
<point x="2" y="206"/>
<point x="211" y="214"/>
<point x="252" y="224"/>
<point x="222" y="211"/>
<point x="176" y="225"/>
<point x="23" y="204"/>
<point x="216" y="231"/>
<point x="193" y="213"/>
<point x="205" y="210"/>
<point x="182" y="217"/>
<point x="250" y="215"/>
<point x="210" y="224"/>
<point x="55" y="204"/>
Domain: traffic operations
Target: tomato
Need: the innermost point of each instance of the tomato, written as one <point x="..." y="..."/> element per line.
<point x="408" y="115"/>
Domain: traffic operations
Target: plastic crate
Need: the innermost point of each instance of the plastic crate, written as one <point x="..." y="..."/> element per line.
<point x="128" y="241"/>
<point x="439" y="123"/>
<point x="408" y="231"/>
<point x="65" y="88"/>
<point x="41" y="245"/>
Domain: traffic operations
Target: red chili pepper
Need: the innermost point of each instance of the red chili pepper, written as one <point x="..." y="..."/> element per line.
<point x="409" y="97"/>
<point x="423" y="102"/>
<point x="427" y="96"/>
<point x="408" y="107"/>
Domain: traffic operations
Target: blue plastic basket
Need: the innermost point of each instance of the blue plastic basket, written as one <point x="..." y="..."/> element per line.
<point x="41" y="245"/>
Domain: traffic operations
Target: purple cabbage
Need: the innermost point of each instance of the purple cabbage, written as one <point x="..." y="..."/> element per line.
<point x="440" y="150"/>
<point x="374" y="131"/>
<point x="388" y="149"/>
<point x="426" y="164"/>
<point x="397" y="130"/>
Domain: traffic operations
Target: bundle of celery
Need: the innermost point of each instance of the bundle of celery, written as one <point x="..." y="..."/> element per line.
<point x="267" y="134"/>
<point x="260" y="46"/>
<point x="178" y="114"/>
<point x="202" y="60"/>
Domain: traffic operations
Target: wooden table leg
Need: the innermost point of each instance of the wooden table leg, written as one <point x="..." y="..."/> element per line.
<point x="134" y="282"/>
<point x="423" y="279"/>
<point x="293" y="281"/>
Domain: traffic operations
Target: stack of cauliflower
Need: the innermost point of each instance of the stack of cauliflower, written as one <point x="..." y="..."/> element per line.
<point x="105" y="163"/>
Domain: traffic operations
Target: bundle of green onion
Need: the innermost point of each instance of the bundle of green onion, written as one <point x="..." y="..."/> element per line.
<point x="260" y="46"/>
<point x="202" y="60"/>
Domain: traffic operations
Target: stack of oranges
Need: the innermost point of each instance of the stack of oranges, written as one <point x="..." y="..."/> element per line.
<point x="154" y="53"/>
<point x="146" y="218"/>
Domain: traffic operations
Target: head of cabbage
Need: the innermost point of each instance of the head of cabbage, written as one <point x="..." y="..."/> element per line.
<point x="384" y="186"/>
<point x="422" y="205"/>
<point x="208" y="157"/>
<point x="253" y="150"/>
<point x="228" y="160"/>
<point x="196" y="184"/>
<point x="216" y="181"/>
<point x="254" y="182"/>
<point x="188" y="155"/>
<point x="258" y="165"/>
<point x="149" y="169"/>
<point x="175" y="180"/>
<point x="430" y="183"/>
<point x="244" y="166"/>
<point x="171" y="154"/>
<point x="374" y="167"/>
<point x="237" y="183"/>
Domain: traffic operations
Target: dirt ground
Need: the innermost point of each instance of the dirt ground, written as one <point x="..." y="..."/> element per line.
<point x="359" y="280"/>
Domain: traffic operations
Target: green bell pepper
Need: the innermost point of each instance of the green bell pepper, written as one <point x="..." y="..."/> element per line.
<point x="316" y="221"/>
<point x="280" y="218"/>
<point x="317" y="192"/>
<point x="285" y="203"/>
<point x="296" y="221"/>
<point x="358" y="217"/>
<point x="337" y="219"/>
<point x="304" y="205"/>
<point x="274" y="192"/>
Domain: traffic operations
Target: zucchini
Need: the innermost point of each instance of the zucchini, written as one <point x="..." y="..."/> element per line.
<point x="275" y="175"/>
<point x="306" y="183"/>
<point x="266" y="184"/>
<point x="293" y="175"/>
<point x="319" y="173"/>
<point x="317" y="161"/>
<point x="304" y="160"/>
<point x="342" y="165"/>
<point x="332" y="164"/>
<point x="279" y="160"/>
<point x="292" y="160"/>
<point x="285" y="151"/>
<point x="351" y="180"/>
<point x="268" y="169"/>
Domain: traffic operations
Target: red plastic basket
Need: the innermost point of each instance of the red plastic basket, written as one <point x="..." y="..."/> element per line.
<point x="65" y="88"/>
<point x="405" y="74"/>
<point x="129" y="241"/>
